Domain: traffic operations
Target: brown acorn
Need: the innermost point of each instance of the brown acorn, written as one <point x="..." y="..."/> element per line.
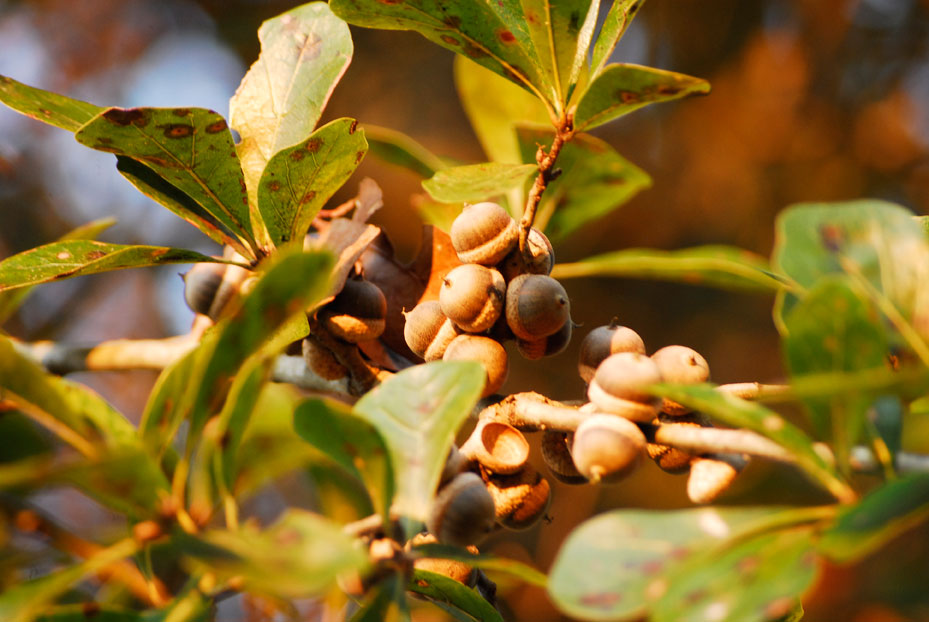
<point x="671" y="459"/>
<point x="427" y="331"/>
<point x="472" y="297"/>
<point x="680" y="365"/>
<point x="619" y="386"/>
<point x="521" y="498"/>
<point x="321" y="361"/>
<point x="556" y="452"/>
<point x="603" y="341"/>
<point x="543" y="258"/>
<point x="485" y="351"/>
<point x="462" y="511"/>
<point x="358" y="313"/>
<point x="210" y="287"/>
<point x="606" y="448"/>
<point x="483" y="233"/>
<point x="536" y="306"/>
<point x="546" y="346"/>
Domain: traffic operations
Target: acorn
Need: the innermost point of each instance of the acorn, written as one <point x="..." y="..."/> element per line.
<point x="521" y="498"/>
<point x="680" y="365"/>
<point x="210" y="287"/>
<point x="483" y="350"/>
<point x="358" y="313"/>
<point x="606" y="448"/>
<point x="472" y="297"/>
<point x="321" y="360"/>
<point x="541" y="251"/>
<point x="546" y="346"/>
<point x="453" y="569"/>
<point x="462" y="511"/>
<point x="497" y="446"/>
<point x="427" y="331"/>
<point x="618" y="386"/>
<point x="483" y="233"/>
<point x="536" y="306"/>
<point x="711" y="476"/>
<point x="556" y="453"/>
<point x="604" y="341"/>
<point x="455" y="463"/>
<point x="671" y="459"/>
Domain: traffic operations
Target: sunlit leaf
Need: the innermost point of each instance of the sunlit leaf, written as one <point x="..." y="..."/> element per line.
<point x="304" y="53"/>
<point x="45" y="106"/>
<point x="191" y="148"/>
<point x="757" y="580"/>
<point x="491" y="34"/>
<point x="884" y="514"/>
<point x="23" y="602"/>
<point x="502" y="565"/>
<point x="399" y="149"/>
<point x="834" y="328"/>
<point x="595" y="180"/>
<point x="298" y="180"/>
<point x="739" y="413"/>
<point x="605" y="566"/>
<point x="301" y="555"/>
<point x="352" y="443"/>
<point x="418" y="411"/>
<point x="614" y="26"/>
<point x="62" y="260"/>
<point x="477" y="182"/>
<point x="441" y="589"/>
<point x="715" y="266"/>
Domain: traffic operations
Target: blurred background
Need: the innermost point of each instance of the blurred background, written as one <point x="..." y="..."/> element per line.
<point x="812" y="100"/>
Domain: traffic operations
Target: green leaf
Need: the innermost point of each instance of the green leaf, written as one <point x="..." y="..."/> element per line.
<point x="92" y="611"/>
<point x="511" y="567"/>
<point x="71" y="410"/>
<point x="128" y="481"/>
<point x="739" y="413"/>
<point x="23" y="602"/>
<point x="304" y="53"/>
<point x="398" y="148"/>
<point x="154" y="186"/>
<point x="191" y="148"/>
<point x="45" y="106"/>
<point x="385" y="602"/>
<point x="622" y="88"/>
<point x="757" y="580"/>
<point x="834" y="328"/>
<point x="561" y="33"/>
<point x="22" y="439"/>
<point x="874" y="240"/>
<point x="299" y="556"/>
<point x="477" y="182"/>
<point x="418" y="411"/>
<point x="494" y="118"/>
<point x="62" y="260"/>
<point x="605" y="566"/>
<point x="595" y="180"/>
<point x="882" y="515"/>
<point x="352" y="443"/>
<point x="299" y="180"/>
<point x="614" y="26"/>
<point x="441" y="589"/>
<point x="492" y="34"/>
<point x="715" y="266"/>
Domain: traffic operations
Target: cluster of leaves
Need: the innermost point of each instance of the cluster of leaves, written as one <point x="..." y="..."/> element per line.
<point x="849" y="281"/>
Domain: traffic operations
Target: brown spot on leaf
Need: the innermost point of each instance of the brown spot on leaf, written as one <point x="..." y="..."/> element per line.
<point x="274" y="185"/>
<point x="668" y="89"/>
<point x="94" y="255"/>
<point x="309" y="196"/>
<point x="181" y="112"/>
<point x="601" y="600"/>
<point x="422" y="583"/>
<point x="99" y="146"/>
<point x="105" y="141"/>
<point x="452" y="21"/>
<point x="313" y="145"/>
<point x="506" y="37"/>
<point x="126" y="116"/>
<point x="90" y="609"/>
<point x="473" y="51"/>
<point x="158" y="253"/>
<point x="45" y="111"/>
<point x="832" y="237"/>
<point x="627" y="97"/>
<point x="176" y="130"/>
<point x="157" y="161"/>
<point x="216" y="126"/>
<point x="353" y="126"/>
<point x="450" y="40"/>
<point x="359" y="156"/>
<point x="297" y="155"/>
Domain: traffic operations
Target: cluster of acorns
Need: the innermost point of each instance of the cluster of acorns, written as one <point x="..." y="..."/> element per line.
<point x="496" y="295"/>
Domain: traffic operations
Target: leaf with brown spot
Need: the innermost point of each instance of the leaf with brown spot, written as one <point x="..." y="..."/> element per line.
<point x="304" y="53"/>
<point x="181" y="155"/>
<point x="615" y="24"/>
<point x="294" y="189"/>
<point x="61" y="260"/>
<point x="448" y="592"/>
<point x="45" y="106"/>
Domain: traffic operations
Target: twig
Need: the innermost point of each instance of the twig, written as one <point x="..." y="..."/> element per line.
<point x="547" y="173"/>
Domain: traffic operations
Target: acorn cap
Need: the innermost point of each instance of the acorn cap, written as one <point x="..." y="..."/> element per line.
<point x="485" y="351"/>
<point x="462" y="511"/>
<point x="606" y="448"/>
<point x="521" y="498"/>
<point x="541" y="251"/>
<point x="497" y="446"/>
<point x="358" y="313"/>
<point x="483" y="233"/>
<point x="472" y="297"/>
<point x="603" y="341"/>
<point x="556" y="453"/>
<point x="680" y="365"/>
<point x="536" y="306"/>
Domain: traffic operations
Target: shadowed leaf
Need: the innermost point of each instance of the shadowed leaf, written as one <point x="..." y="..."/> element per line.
<point x="438" y="588"/>
<point x="298" y="180"/>
<point x="45" y="106"/>
<point x="398" y="148"/>
<point x="477" y="182"/>
<point x="62" y="260"/>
